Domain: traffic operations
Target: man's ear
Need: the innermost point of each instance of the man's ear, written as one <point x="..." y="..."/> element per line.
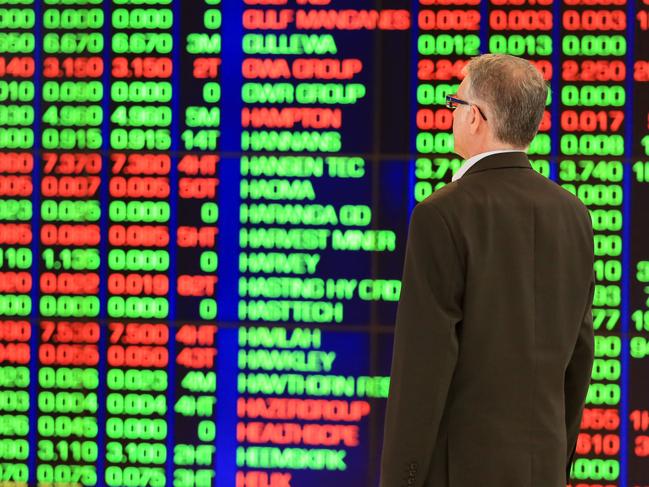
<point x="474" y="119"/>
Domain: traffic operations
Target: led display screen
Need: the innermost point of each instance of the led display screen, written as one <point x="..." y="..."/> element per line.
<point x="203" y="216"/>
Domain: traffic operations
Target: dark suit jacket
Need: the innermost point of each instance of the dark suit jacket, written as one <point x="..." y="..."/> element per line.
<point x="493" y="345"/>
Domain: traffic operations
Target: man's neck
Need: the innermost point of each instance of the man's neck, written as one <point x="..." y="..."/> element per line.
<point x="493" y="147"/>
<point x="472" y="160"/>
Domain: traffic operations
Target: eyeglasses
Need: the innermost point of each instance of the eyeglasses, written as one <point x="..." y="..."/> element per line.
<point x="452" y="103"/>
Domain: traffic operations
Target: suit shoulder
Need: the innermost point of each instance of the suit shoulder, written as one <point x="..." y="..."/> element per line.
<point x="443" y="198"/>
<point x="560" y="192"/>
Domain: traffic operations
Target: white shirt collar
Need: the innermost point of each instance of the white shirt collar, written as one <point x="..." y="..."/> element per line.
<point x="472" y="160"/>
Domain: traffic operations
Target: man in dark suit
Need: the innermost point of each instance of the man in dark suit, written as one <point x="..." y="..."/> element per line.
<point x="493" y="345"/>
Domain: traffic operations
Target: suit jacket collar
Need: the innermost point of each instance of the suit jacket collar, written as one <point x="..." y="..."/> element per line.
<point x="500" y="161"/>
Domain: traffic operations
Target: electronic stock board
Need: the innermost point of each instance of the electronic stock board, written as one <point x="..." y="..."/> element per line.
<point x="203" y="212"/>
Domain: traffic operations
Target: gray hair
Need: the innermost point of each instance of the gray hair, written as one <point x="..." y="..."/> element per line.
<point x="515" y="93"/>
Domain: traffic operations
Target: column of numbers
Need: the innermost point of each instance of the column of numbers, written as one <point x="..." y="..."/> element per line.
<point x="71" y="136"/>
<point x="14" y="400"/>
<point x="17" y="68"/>
<point x="139" y="210"/>
<point x="136" y="404"/>
<point x="67" y="402"/>
<point x="591" y="143"/>
<point x="442" y="55"/>
<point x="195" y="408"/>
<point x="198" y="212"/>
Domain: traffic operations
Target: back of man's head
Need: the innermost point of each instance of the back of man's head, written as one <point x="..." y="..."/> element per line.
<point x="515" y="93"/>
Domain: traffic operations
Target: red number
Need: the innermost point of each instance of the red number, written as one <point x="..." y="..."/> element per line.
<point x="135" y="356"/>
<point x="16" y="186"/>
<point x="137" y="187"/>
<point x="206" y="67"/>
<point x="641" y="71"/>
<point x="18" y="67"/>
<point x="594" y="20"/>
<point x="70" y="186"/>
<point x="147" y="67"/>
<point x="15" y="282"/>
<point x="193" y="165"/>
<point x="69" y="283"/>
<point x="71" y="163"/>
<point x="68" y="354"/>
<point x="441" y="119"/>
<point x="12" y="162"/>
<point x="196" y="335"/>
<point x="153" y="164"/>
<point x="15" y="331"/>
<point x="449" y="20"/>
<point x="596" y="419"/>
<point x="138" y="235"/>
<point x="138" y="284"/>
<point x="593" y="71"/>
<point x="116" y="331"/>
<point x="442" y="70"/>
<point x="15" y="233"/>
